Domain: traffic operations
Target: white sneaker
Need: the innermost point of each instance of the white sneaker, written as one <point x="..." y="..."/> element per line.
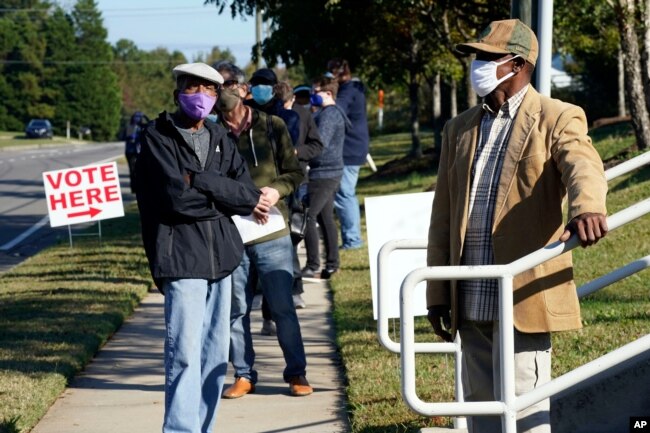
<point x="257" y="302"/>
<point x="268" y="328"/>
<point x="298" y="302"/>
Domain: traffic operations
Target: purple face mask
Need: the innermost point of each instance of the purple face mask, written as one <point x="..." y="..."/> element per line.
<point x="196" y="105"/>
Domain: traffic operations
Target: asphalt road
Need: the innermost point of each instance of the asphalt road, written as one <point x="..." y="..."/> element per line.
<point x="24" y="226"/>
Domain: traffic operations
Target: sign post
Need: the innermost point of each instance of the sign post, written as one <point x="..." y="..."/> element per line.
<point x="83" y="194"/>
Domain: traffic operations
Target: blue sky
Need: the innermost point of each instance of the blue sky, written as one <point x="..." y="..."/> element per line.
<point x="184" y="25"/>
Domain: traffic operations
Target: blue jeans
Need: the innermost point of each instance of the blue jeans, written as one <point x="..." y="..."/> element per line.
<point x="271" y="263"/>
<point x="347" y="208"/>
<point x="196" y="352"/>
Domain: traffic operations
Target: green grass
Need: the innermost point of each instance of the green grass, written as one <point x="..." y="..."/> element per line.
<point x="612" y="317"/>
<point x="57" y="309"/>
<point x="614" y="141"/>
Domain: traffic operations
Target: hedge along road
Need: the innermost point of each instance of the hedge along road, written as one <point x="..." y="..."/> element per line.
<point x="23" y="209"/>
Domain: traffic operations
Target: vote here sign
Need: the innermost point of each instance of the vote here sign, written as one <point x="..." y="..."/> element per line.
<point x="82" y="194"/>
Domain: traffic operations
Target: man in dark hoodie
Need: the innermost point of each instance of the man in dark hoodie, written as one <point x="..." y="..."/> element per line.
<point x="325" y="173"/>
<point x="191" y="181"/>
<point x="352" y="99"/>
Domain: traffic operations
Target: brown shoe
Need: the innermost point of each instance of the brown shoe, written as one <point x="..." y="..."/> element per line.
<point x="240" y="388"/>
<point x="299" y="387"/>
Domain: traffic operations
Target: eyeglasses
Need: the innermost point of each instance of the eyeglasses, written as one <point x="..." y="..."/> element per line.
<point x="194" y="87"/>
<point x="230" y="84"/>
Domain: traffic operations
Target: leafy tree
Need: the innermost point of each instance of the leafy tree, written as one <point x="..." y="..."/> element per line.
<point x="93" y="92"/>
<point x="585" y="31"/>
<point x="60" y="55"/>
<point x="393" y="43"/>
<point x="22" y="50"/>
<point x="592" y="32"/>
<point x="144" y="78"/>
<point x="216" y="54"/>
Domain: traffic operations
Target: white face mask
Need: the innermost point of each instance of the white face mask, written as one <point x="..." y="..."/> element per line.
<point x="484" y="75"/>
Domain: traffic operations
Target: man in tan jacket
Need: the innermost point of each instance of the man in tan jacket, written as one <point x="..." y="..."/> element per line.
<point x="505" y="168"/>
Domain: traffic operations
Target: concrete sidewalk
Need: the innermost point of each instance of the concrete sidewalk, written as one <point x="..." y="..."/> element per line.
<point x="121" y="391"/>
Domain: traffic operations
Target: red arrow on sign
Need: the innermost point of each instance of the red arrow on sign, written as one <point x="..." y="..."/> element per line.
<point x="91" y="211"/>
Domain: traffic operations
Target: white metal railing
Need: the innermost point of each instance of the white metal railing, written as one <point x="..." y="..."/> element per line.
<point x="382" y="317"/>
<point x="511" y="403"/>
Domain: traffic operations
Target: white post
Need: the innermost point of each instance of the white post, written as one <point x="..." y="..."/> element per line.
<point x="507" y="353"/>
<point x="545" y="26"/>
<point x="67" y="130"/>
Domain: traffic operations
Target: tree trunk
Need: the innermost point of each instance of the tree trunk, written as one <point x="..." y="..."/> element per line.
<point x="634" y="83"/>
<point x="453" y="96"/>
<point x="472" y="99"/>
<point x="645" y="50"/>
<point x="416" y="146"/>
<point x="621" y="84"/>
<point x="414" y="97"/>
<point x="437" y="116"/>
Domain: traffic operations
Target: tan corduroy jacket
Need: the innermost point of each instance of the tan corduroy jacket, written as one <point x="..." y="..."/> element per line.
<point x="549" y="157"/>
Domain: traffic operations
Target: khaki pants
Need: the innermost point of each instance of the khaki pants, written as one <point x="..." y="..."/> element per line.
<point x="481" y="375"/>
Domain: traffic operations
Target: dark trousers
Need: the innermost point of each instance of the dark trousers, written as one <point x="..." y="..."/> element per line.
<point x="321" y="208"/>
<point x="130" y="159"/>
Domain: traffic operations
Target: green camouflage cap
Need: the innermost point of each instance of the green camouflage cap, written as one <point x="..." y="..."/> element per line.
<point x="503" y="37"/>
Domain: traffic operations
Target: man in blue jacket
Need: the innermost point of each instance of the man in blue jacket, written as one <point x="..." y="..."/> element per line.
<point x="352" y="100"/>
<point x="191" y="181"/>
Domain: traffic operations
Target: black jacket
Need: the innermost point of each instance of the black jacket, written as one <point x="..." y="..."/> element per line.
<point x="186" y="227"/>
<point x="309" y="142"/>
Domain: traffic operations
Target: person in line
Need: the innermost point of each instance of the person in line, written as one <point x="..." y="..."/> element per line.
<point x="133" y="143"/>
<point x="506" y="166"/>
<point x="302" y="94"/>
<point x="265" y="144"/>
<point x="352" y="100"/>
<point x="191" y="181"/>
<point x="308" y="147"/>
<point x="270" y="96"/>
<point x="263" y="84"/>
<point x="325" y="173"/>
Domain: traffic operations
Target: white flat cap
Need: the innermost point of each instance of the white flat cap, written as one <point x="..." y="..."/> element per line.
<point x="198" y="69"/>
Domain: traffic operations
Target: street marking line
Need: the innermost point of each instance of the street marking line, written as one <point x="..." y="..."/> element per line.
<point x="18" y="239"/>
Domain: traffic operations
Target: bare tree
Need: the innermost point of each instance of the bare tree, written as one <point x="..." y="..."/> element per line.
<point x="644" y="10"/>
<point x="621" y="84"/>
<point x="625" y="12"/>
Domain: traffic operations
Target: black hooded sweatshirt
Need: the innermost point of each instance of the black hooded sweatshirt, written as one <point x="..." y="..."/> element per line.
<point x="185" y="210"/>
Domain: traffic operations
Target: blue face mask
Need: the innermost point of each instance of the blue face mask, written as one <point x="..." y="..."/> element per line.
<point x="262" y="93"/>
<point x="213" y="117"/>
<point x="316" y="100"/>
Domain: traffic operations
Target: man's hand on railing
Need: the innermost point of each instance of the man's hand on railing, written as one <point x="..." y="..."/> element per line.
<point x="439" y="316"/>
<point x="590" y="228"/>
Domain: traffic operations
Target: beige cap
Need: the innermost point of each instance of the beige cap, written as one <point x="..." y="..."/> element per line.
<point x="503" y="37"/>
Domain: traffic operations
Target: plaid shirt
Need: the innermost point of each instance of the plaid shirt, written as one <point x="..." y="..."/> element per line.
<point x="479" y="298"/>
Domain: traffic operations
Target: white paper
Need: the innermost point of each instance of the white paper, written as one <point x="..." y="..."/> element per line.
<point x="250" y="229"/>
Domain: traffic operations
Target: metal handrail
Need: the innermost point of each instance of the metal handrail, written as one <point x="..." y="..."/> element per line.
<point x="511" y="403"/>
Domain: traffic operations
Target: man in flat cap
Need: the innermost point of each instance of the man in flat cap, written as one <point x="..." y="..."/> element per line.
<point x="506" y="165"/>
<point x="191" y="181"/>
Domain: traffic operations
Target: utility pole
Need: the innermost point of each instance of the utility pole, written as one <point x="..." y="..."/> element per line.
<point x="258" y="37"/>
<point x="538" y="15"/>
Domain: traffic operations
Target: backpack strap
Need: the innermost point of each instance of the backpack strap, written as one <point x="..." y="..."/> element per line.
<point x="271" y="135"/>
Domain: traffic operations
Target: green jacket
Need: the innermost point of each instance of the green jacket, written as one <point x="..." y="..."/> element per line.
<point x="280" y="171"/>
